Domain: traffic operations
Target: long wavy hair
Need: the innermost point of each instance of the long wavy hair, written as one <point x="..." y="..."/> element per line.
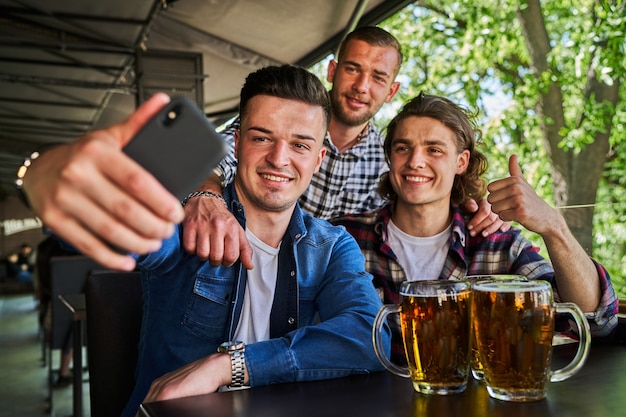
<point x="461" y="121"/>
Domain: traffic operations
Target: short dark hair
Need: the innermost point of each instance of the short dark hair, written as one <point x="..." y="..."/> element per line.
<point x="461" y="121"/>
<point x="374" y="36"/>
<point x="288" y="82"/>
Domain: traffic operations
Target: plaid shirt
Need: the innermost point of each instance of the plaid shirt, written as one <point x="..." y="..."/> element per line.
<point x="346" y="182"/>
<point x="498" y="253"/>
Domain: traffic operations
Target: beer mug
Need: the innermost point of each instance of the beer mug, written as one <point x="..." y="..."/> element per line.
<point x="475" y="365"/>
<point x="514" y="324"/>
<point x="435" y="323"/>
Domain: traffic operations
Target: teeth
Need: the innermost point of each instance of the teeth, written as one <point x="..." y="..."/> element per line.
<point x="274" y="178"/>
<point x="417" y="179"/>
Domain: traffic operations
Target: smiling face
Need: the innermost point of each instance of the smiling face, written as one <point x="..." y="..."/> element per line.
<point x="279" y="148"/>
<point x="363" y="80"/>
<point x="423" y="162"/>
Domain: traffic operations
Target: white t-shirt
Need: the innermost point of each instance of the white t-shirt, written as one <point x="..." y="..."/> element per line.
<point x="254" y="323"/>
<point x="421" y="257"/>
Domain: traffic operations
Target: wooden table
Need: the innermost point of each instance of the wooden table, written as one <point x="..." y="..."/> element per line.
<point x="599" y="389"/>
<point x="75" y="303"/>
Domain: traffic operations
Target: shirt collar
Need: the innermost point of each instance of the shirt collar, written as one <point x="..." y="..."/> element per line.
<point x="297" y="228"/>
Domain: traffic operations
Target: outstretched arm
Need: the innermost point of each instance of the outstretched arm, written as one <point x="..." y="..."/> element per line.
<point x="96" y="198"/>
<point x="576" y="275"/>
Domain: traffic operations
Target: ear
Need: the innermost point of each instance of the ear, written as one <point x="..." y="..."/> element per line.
<point x="320" y="158"/>
<point x="462" y="162"/>
<point x="237" y="133"/>
<point x="395" y="86"/>
<point x="330" y="73"/>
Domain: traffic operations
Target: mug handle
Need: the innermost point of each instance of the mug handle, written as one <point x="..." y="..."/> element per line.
<point x="381" y="353"/>
<point x="583" y="345"/>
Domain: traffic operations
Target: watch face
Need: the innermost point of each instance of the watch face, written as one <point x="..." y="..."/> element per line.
<point x="230" y="346"/>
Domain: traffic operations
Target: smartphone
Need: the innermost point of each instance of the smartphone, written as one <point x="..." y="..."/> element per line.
<point x="179" y="146"/>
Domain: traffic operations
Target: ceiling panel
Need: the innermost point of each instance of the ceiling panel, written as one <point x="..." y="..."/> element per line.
<point x="68" y="66"/>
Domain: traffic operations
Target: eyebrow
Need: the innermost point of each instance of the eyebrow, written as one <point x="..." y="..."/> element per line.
<point x="269" y="132"/>
<point x="427" y="142"/>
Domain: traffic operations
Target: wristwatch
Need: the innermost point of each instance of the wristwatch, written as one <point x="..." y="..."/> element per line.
<point x="237" y="363"/>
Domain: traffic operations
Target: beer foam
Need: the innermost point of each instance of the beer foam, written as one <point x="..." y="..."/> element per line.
<point x="512" y="286"/>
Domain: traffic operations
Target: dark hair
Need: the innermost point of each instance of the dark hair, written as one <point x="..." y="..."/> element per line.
<point x="285" y="81"/>
<point x="470" y="184"/>
<point x="375" y="36"/>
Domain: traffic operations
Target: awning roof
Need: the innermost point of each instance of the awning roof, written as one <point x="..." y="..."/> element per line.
<point x="68" y="66"/>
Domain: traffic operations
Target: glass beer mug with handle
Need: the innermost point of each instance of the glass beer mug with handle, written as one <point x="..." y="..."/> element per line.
<point x="476" y="366"/>
<point x="435" y="323"/>
<point x="514" y="325"/>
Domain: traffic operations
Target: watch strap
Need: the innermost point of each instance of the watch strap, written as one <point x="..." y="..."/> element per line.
<point x="237" y="364"/>
<point x="237" y="361"/>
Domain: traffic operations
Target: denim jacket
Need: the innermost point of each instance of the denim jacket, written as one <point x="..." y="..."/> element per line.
<point x="191" y="307"/>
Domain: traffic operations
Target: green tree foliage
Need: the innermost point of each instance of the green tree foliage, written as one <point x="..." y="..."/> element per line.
<point x="548" y="80"/>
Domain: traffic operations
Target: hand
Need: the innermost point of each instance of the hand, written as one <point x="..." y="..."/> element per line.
<point x="200" y="377"/>
<point x="484" y="221"/>
<point x="513" y="199"/>
<point x="98" y="199"/>
<point x="211" y="232"/>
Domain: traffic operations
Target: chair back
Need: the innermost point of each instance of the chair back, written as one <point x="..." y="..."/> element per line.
<point x="114" y="305"/>
<point x="68" y="275"/>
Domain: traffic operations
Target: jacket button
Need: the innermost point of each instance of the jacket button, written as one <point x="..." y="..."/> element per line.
<point x="291" y="320"/>
<point x="293" y="273"/>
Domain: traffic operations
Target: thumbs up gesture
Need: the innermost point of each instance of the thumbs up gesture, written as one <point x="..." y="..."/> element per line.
<point x="513" y="199"/>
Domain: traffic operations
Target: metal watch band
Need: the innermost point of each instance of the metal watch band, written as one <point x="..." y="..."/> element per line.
<point x="237" y="368"/>
<point x="204" y="194"/>
<point x="237" y="362"/>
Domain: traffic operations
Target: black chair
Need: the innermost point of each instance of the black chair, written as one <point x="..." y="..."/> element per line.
<point x="114" y="305"/>
<point x="67" y="277"/>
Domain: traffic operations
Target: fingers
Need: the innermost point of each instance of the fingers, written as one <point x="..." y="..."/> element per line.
<point x="470" y="206"/>
<point x="488" y="226"/>
<point x="85" y="242"/>
<point x="245" y="251"/>
<point x="485" y="225"/>
<point x="484" y="221"/>
<point x="124" y="131"/>
<point x="212" y="233"/>
<point x="137" y="195"/>
<point x="505" y="227"/>
<point x="90" y="193"/>
<point x="120" y="200"/>
<point x="514" y="168"/>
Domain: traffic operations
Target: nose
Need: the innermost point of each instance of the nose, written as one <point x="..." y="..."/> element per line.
<point x="417" y="160"/>
<point x="361" y="83"/>
<point x="279" y="154"/>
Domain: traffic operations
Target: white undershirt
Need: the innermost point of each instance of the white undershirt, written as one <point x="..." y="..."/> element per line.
<point x="421" y="258"/>
<point x="254" y="322"/>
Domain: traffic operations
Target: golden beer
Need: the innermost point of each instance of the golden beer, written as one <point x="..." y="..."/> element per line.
<point x="514" y="326"/>
<point x="436" y="336"/>
<point x="476" y="366"/>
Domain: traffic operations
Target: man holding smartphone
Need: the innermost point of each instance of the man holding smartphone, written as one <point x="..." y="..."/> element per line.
<point x="205" y="326"/>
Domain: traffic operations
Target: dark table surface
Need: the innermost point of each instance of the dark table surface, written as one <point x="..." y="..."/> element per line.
<point x="598" y="389"/>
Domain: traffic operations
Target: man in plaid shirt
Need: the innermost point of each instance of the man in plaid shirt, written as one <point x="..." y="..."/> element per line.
<point x="363" y="79"/>
<point x="421" y="233"/>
